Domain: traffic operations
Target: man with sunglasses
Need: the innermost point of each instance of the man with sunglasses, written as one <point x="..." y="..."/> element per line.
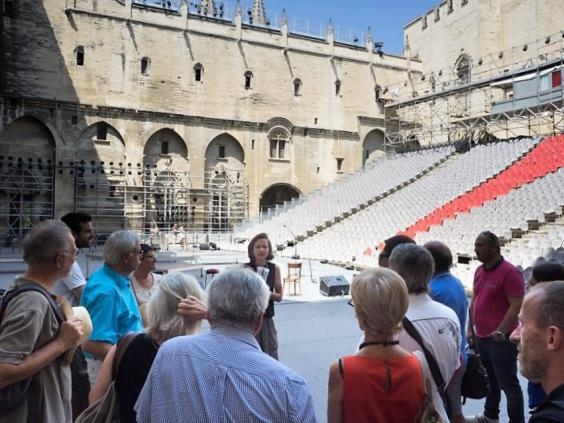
<point x="498" y="289"/>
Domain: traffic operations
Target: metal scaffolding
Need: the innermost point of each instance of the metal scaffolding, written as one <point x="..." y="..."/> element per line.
<point x="450" y="107"/>
<point x="144" y="198"/>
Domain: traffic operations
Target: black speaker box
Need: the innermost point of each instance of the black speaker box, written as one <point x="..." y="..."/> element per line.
<point x="333" y="285"/>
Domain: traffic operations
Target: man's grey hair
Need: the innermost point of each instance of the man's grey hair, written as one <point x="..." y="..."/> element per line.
<point x="237" y="297"/>
<point x="118" y="244"/>
<point x="415" y="265"/>
<point x="45" y="241"/>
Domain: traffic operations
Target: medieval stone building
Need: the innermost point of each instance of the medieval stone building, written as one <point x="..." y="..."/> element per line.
<point x="145" y="116"/>
<point x="148" y="117"/>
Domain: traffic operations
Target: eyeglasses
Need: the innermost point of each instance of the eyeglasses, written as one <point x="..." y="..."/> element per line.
<point x="75" y="253"/>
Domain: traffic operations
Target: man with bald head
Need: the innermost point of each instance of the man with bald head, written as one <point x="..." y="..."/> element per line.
<point x="499" y="289"/>
<point x="540" y="339"/>
<point x="447" y="289"/>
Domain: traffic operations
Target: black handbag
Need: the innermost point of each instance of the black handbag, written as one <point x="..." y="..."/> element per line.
<point x="475" y="382"/>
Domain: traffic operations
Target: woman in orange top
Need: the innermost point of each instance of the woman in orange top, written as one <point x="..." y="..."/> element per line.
<point x="382" y="382"/>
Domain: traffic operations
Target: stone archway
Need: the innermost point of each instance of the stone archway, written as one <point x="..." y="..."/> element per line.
<point x="226" y="194"/>
<point x="27" y="161"/>
<point x="373" y="145"/>
<point x="277" y="194"/>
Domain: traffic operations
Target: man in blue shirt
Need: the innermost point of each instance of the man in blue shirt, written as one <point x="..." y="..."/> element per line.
<point x="448" y="290"/>
<point x="222" y="375"/>
<point x="109" y="299"/>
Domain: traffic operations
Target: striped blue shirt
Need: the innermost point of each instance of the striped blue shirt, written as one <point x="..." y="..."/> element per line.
<point x="221" y="376"/>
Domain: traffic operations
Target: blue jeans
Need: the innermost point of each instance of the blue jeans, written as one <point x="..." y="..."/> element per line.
<point x="500" y="361"/>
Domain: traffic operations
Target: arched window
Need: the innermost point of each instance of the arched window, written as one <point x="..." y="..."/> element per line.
<point x="463" y="69"/>
<point x="145" y="65"/>
<point x="279" y="142"/>
<point x="79" y="55"/>
<point x="198" y="72"/>
<point x="337" y="87"/>
<point x="248" y="79"/>
<point x="297" y="87"/>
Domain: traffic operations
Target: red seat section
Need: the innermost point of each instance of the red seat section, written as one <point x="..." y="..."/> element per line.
<point x="546" y="157"/>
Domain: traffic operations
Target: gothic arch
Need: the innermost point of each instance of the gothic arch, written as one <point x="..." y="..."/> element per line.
<point x="463" y="66"/>
<point x="166" y="147"/>
<point x="373" y="145"/>
<point x="101" y="142"/>
<point x="27" y="159"/>
<point x="226" y="153"/>
<point x="28" y="136"/>
<point x="277" y="194"/>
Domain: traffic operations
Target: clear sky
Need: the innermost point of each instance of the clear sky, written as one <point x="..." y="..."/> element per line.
<point x="350" y="18"/>
<point x="386" y="17"/>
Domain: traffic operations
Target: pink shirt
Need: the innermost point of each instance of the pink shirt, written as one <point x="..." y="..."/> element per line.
<point x="492" y="289"/>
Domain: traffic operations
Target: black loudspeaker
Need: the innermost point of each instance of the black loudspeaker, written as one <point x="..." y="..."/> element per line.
<point x="333" y="285"/>
<point x="204" y="246"/>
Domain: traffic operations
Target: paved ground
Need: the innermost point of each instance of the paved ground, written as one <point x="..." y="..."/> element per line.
<point x="313" y="330"/>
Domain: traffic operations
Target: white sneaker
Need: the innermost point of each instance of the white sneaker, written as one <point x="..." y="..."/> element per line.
<point x="480" y="418"/>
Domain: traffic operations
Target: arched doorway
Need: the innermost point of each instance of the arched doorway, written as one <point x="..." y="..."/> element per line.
<point x="27" y="172"/>
<point x="373" y="146"/>
<point x="166" y="181"/>
<point x="276" y="195"/>
<point x="226" y="196"/>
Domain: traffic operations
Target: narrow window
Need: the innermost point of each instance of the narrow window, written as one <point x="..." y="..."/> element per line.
<point x="297" y="87"/>
<point x="437" y="14"/>
<point x="450" y="6"/>
<point x="281" y="149"/>
<point x="424" y="21"/>
<point x="102" y="131"/>
<point x="248" y="77"/>
<point x="222" y="152"/>
<point x="164" y="147"/>
<point x="79" y="52"/>
<point x="377" y="92"/>
<point x="198" y="72"/>
<point x="340" y="164"/>
<point x="337" y="87"/>
<point x="278" y="145"/>
<point x="145" y="65"/>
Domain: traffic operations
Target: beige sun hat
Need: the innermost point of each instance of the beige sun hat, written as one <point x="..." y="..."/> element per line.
<point x="70" y="313"/>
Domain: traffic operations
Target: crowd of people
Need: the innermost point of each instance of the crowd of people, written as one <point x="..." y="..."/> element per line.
<point x="145" y="337"/>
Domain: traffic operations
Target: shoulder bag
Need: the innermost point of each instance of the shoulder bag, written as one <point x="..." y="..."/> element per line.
<point x="475" y="382"/>
<point x="106" y="409"/>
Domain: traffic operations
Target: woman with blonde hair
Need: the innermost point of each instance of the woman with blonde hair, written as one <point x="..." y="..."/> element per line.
<point x="175" y="308"/>
<point x="382" y="382"/>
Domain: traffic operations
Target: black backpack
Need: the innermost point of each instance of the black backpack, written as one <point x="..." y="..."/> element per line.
<point x="12" y="395"/>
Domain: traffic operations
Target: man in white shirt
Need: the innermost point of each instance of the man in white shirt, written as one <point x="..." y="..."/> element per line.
<point x="436" y="323"/>
<point x="71" y="287"/>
